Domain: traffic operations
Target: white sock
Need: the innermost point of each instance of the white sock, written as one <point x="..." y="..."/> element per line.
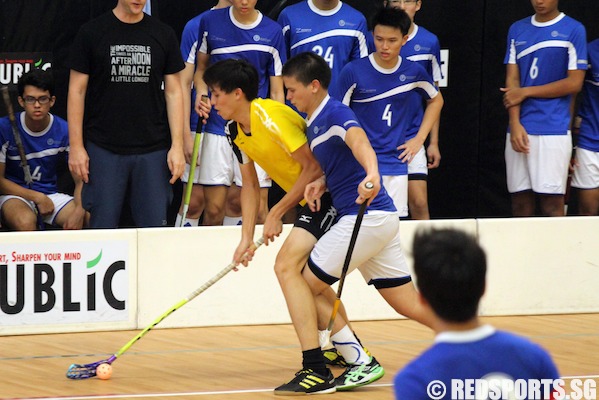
<point x="346" y="343"/>
<point x="188" y="221"/>
<point x="232" y="220"/>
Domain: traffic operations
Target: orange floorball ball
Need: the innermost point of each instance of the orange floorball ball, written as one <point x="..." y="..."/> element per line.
<point x="104" y="371"/>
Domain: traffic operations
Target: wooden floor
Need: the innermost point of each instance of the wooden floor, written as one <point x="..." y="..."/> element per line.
<point x="246" y="362"/>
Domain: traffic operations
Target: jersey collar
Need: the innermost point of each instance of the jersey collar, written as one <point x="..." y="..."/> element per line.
<point x="474" y="335"/>
<point x="318" y="109"/>
<point x="548" y="23"/>
<point x="324" y="13"/>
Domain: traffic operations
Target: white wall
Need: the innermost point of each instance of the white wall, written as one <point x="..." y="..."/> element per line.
<point x="536" y="266"/>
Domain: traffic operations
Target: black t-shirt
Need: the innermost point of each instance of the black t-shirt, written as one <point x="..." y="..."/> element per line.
<point x="125" y="108"/>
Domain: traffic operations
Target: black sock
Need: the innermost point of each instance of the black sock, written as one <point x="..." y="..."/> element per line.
<point x="313" y="359"/>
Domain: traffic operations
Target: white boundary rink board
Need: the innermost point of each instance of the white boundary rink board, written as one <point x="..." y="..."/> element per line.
<point x="535" y="266"/>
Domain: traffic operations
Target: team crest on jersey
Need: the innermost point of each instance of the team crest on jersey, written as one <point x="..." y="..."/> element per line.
<point x="258" y="38"/>
<point x="316" y="130"/>
<point x="402" y="78"/>
<point x="417" y="47"/>
<point x="50" y="142"/>
<point x="557" y="34"/>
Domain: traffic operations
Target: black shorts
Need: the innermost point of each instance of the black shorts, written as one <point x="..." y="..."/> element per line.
<point x="317" y="223"/>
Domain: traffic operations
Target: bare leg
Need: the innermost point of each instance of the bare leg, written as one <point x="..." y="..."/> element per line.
<point x="523" y="204"/>
<point x="18" y="216"/>
<point x="214" y="208"/>
<point x="588" y="201"/>
<point x="418" y="199"/>
<point x="552" y="205"/>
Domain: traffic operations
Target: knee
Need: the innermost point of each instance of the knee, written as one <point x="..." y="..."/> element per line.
<point x="23" y="222"/>
<point x="213" y="214"/>
<point x="286" y="266"/>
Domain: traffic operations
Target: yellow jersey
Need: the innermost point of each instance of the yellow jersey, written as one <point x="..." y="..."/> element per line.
<point x="276" y="132"/>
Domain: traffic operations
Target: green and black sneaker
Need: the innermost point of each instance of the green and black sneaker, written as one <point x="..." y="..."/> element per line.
<point x="359" y="375"/>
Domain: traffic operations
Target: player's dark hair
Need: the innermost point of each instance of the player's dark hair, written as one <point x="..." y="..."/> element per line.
<point x="394" y="18"/>
<point x="306" y="67"/>
<point x="450" y="270"/>
<point x="231" y="74"/>
<point x="39" y="78"/>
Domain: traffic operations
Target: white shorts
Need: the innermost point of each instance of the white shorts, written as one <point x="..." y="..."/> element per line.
<point x="219" y="166"/>
<point x="544" y="169"/>
<point x="377" y="253"/>
<point x="586" y="174"/>
<point x="397" y="188"/>
<point x="58" y="199"/>
<point x="419" y="164"/>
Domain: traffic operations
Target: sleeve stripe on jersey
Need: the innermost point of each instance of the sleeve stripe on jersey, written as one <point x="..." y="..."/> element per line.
<point x="348" y="94"/>
<point x="333" y="131"/>
<point x="573" y="58"/>
<point x="191" y="56"/>
<point x="278" y="64"/>
<point x="285" y="29"/>
<point x="337" y="32"/>
<point x="592" y="82"/>
<point x="204" y="46"/>
<point x="430" y="90"/>
<point x="3" y="153"/>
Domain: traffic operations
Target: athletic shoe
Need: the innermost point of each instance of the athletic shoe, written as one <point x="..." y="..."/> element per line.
<point x="307" y="381"/>
<point x="360" y="375"/>
<point x="334" y="358"/>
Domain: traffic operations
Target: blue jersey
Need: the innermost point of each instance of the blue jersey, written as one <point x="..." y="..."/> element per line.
<point x="386" y="102"/>
<point x="481" y="353"/>
<point x="339" y="35"/>
<point x="261" y="44"/>
<point x="589" y="108"/>
<point x="189" y="50"/>
<point x="544" y="53"/>
<point x="43" y="150"/>
<point x="422" y="47"/>
<point x="326" y="135"/>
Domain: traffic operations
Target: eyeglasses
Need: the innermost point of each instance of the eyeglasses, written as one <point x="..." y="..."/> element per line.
<point x="42" y="99"/>
<point x="404" y="2"/>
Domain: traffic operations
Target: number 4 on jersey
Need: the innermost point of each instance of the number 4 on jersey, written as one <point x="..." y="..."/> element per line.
<point x="387" y="114"/>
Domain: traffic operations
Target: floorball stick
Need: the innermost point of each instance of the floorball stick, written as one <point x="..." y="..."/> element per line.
<point x="197" y="144"/>
<point x="325" y="337"/>
<point x="22" y="155"/>
<point x="84" y="371"/>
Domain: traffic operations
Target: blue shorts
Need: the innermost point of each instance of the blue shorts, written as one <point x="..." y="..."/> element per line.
<point x="142" y="178"/>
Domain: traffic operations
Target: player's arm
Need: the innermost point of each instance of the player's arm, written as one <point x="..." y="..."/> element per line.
<point x="186" y="85"/>
<point x="518" y="135"/>
<point x="433" y="154"/>
<point x="432" y="114"/>
<point x="357" y="141"/>
<point x="78" y="158"/>
<point x="571" y="84"/>
<point x="311" y="171"/>
<point x="43" y="202"/>
<point x="173" y="95"/>
<point x="76" y="219"/>
<point x="250" y="204"/>
<point x="277" y="89"/>
<point x="203" y="61"/>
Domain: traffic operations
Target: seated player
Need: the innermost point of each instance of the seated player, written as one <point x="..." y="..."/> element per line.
<point x="27" y="206"/>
